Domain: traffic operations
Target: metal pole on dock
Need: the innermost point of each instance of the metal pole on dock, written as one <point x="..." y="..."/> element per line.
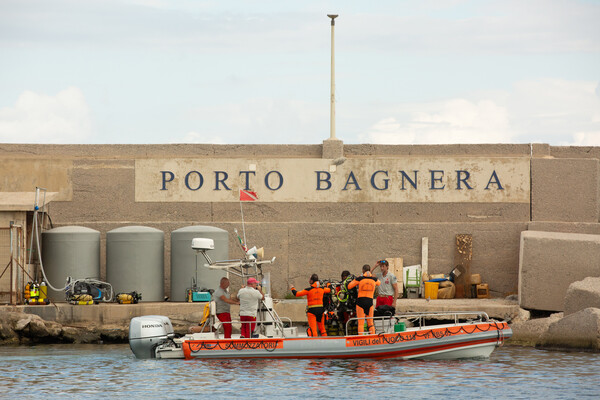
<point x="332" y="105"/>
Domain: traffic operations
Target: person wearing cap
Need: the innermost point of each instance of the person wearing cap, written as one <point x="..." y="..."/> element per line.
<point x="249" y="297"/>
<point x="388" y="290"/>
<point x="315" y="310"/>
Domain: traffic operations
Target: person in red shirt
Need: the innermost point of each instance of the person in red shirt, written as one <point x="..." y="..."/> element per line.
<point x="314" y="297"/>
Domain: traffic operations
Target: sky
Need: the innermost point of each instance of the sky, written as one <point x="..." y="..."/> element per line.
<point x="254" y="72"/>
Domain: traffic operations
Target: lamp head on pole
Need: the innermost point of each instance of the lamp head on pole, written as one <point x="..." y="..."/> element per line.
<point x="333" y="17"/>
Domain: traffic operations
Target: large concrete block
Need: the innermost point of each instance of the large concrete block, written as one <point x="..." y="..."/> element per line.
<point x="549" y="262"/>
<point x="580" y="331"/>
<point x="583" y="294"/>
<point x="565" y="189"/>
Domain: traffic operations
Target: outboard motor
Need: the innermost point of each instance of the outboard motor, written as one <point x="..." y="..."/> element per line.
<point x="147" y="332"/>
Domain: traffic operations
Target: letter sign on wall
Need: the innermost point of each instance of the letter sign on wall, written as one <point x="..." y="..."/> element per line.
<point x="406" y="179"/>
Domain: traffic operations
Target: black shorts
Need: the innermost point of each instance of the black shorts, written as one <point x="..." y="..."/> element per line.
<point x="317" y="312"/>
<point x="365" y="303"/>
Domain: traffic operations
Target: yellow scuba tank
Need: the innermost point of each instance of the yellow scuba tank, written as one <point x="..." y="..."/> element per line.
<point x="124" y="298"/>
<point x="82" y="297"/>
<point x="128" y="298"/>
<point x="43" y="299"/>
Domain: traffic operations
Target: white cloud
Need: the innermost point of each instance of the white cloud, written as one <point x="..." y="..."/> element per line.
<point x="39" y="118"/>
<point x="586" y="139"/>
<point x="452" y="121"/>
<point x="554" y="111"/>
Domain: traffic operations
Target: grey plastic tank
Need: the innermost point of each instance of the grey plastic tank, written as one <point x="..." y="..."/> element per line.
<point x="70" y="251"/>
<point x="183" y="259"/>
<point x="135" y="261"/>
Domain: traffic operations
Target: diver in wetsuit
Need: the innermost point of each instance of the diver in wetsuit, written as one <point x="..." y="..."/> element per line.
<point x="315" y="309"/>
<point x="364" y="304"/>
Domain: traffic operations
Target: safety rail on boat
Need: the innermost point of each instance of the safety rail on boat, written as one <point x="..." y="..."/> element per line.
<point x="384" y="319"/>
<point x="421" y="317"/>
<point x="279" y="325"/>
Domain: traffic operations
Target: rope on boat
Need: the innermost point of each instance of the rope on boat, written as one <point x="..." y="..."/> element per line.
<point x="404" y="337"/>
<point x="268" y="345"/>
<point x="271" y="345"/>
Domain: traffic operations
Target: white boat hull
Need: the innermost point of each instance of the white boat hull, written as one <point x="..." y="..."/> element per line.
<point x="476" y="340"/>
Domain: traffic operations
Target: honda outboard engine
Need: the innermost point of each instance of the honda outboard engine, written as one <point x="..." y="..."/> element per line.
<point x="147" y="332"/>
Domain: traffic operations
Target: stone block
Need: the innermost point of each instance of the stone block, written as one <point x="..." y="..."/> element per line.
<point x="529" y="332"/>
<point x="333" y="148"/>
<point x="565" y="189"/>
<point x="549" y="262"/>
<point x="580" y="330"/>
<point x="583" y="294"/>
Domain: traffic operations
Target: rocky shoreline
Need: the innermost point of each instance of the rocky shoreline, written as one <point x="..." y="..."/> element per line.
<point x="578" y="327"/>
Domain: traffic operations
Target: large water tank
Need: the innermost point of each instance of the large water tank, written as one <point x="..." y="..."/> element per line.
<point x="186" y="264"/>
<point x="70" y="251"/>
<point x="135" y="261"/>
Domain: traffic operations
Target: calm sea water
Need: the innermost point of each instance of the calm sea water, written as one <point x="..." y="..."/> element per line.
<point x="111" y="371"/>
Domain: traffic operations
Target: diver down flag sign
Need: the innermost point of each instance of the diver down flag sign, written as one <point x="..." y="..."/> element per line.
<point x="246" y="195"/>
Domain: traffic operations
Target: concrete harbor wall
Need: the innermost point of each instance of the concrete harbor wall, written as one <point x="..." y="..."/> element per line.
<point x="544" y="188"/>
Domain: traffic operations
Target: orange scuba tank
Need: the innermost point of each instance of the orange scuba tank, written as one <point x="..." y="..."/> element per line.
<point x="26" y="292"/>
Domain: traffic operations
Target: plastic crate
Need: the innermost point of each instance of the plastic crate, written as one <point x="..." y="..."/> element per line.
<point x="200" y="296"/>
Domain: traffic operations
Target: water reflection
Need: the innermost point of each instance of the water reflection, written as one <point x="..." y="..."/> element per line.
<point x="109" y="371"/>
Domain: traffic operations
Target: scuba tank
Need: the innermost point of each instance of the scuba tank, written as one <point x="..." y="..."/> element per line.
<point x="82" y="299"/>
<point x="43" y="299"/>
<point x="34" y="293"/>
<point x="26" y="293"/>
<point x="129" y="298"/>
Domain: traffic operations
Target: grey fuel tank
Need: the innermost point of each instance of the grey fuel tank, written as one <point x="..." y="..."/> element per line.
<point x="184" y="259"/>
<point x="70" y="251"/>
<point x="135" y="261"/>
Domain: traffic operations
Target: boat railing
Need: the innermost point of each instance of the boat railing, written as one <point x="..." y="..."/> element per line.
<point x="279" y="325"/>
<point x="420" y="318"/>
<point x="275" y="319"/>
<point x="385" y="326"/>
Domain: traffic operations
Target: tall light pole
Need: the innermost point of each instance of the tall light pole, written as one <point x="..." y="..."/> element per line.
<point x="332" y="106"/>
